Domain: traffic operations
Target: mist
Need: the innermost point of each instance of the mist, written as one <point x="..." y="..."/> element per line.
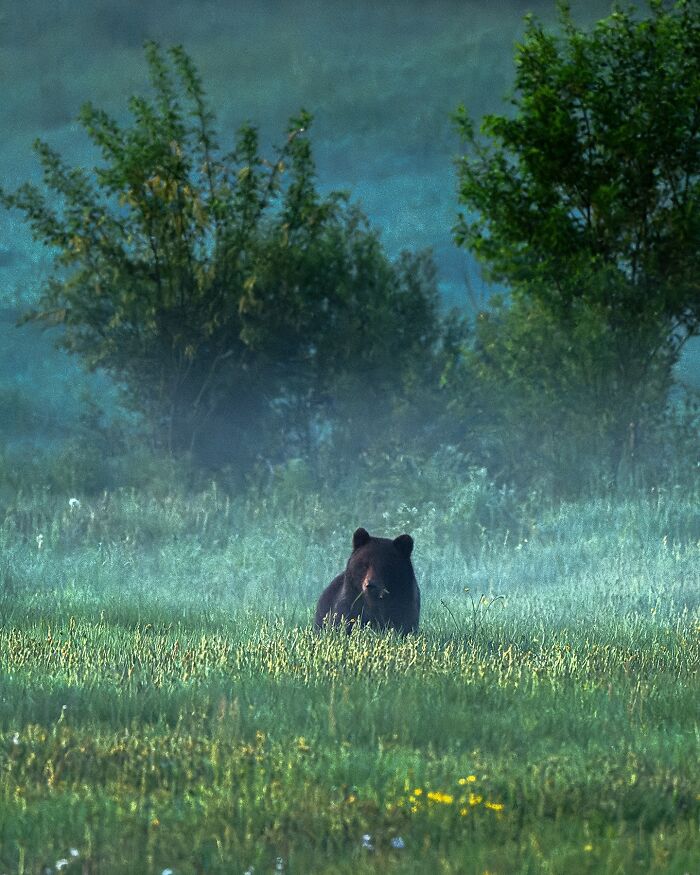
<point x="381" y="80"/>
<point x="266" y="383"/>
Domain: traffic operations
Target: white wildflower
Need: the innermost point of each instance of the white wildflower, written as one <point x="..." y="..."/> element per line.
<point x="167" y="872"/>
<point x="15" y="738"/>
<point x="279" y="865"/>
<point x="398" y="842"/>
<point x="39" y="541"/>
<point x="74" y="503"/>
<point x="367" y="842"/>
<point x="74" y="852"/>
<point x="60" y="864"/>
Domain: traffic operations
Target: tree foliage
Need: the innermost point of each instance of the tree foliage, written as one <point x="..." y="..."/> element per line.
<point x="236" y="305"/>
<point x="585" y="201"/>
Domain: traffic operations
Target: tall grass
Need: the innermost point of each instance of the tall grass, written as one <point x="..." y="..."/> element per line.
<point x="164" y="703"/>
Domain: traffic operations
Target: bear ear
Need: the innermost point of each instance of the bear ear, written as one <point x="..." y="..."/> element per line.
<point x="404" y="544"/>
<point x="360" y="538"/>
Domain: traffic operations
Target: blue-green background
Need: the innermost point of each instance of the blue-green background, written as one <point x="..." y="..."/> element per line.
<point x="381" y="79"/>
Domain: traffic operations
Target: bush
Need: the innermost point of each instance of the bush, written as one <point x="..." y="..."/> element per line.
<point x="247" y="317"/>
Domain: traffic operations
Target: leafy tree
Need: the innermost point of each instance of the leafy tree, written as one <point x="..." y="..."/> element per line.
<point x="239" y="308"/>
<point x="549" y="402"/>
<point x="585" y="201"/>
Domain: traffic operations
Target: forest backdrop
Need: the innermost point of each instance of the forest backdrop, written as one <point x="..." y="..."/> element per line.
<point x="260" y="326"/>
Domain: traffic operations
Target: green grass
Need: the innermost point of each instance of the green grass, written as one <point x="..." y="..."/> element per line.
<point x="165" y="705"/>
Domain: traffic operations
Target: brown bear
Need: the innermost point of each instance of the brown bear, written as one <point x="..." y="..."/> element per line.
<point x="377" y="588"/>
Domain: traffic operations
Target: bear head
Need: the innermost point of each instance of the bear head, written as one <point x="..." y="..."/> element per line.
<point x="379" y="569"/>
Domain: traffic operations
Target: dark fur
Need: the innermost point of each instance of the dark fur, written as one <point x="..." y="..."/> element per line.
<point x="378" y="587"/>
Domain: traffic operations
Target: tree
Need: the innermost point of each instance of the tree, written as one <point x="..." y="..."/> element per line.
<point x="585" y="202"/>
<point x="231" y="301"/>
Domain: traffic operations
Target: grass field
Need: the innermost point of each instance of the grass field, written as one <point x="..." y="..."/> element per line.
<point x="164" y="706"/>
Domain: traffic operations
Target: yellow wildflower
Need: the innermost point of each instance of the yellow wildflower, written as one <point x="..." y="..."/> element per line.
<point x="417" y="791"/>
<point x="468" y="780"/>
<point x="494" y="806"/>
<point x="443" y="798"/>
<point x="588" y="847"/>
<point x="475" y="799"/>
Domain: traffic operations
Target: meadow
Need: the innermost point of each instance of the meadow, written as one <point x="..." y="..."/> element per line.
<point x="166" y="708"/>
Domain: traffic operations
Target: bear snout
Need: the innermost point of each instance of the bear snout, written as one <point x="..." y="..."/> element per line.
<point x="374" y="588"/>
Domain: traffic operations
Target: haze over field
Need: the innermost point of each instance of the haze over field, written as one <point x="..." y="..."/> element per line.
<point x="381" y="80"/>
<point x="166" y="704"/>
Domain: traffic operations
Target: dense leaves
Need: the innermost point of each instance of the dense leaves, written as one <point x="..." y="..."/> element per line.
<point x="245" y="314"/>
<point x="585" y="201"/>
<point x="258" y="325"/>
